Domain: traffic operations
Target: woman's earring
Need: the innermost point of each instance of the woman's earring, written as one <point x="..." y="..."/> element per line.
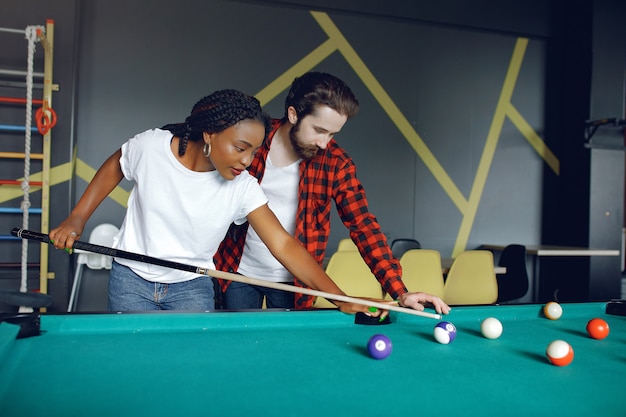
<point x="206" y="150"/>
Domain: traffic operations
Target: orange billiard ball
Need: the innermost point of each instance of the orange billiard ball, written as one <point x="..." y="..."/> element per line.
<point x="598" y="328"/>
<point x="553" y="310"/>
<point x="560" y="353"/>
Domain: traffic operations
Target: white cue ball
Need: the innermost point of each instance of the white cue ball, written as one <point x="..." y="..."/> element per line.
<point x="491" y="328"/>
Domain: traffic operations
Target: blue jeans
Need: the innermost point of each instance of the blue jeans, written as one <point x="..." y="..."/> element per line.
<point x="240" y="296"/>
<point x="129" y="292"/>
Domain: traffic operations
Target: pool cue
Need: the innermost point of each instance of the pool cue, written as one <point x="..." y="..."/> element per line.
<point x="103" y="250"/>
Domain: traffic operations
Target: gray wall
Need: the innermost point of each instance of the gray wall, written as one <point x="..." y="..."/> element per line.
<point x="128" y="66"/>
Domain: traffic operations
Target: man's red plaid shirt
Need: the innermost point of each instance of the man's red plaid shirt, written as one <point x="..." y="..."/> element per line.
<point x="329" y="175"/>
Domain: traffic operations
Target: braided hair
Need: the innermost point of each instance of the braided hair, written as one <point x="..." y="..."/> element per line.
<point x="215" y="113"/>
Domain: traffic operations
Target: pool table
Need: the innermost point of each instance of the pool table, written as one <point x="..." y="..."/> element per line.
<point x="309" y="363"/>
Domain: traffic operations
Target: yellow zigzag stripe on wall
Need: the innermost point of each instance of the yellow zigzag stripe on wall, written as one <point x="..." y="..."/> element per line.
<point x="85" y="172"/>
<point x="280" y="84"/>
<point x="490" y="145"/>
<point x="533" y="138"/>
<point x="59" y="174"/>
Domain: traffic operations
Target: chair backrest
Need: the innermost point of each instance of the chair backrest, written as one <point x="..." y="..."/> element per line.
<point x="471" y="279"/>
<point x="347" y="245"/>
<point x="422" y="271"/>
<point x="102" y="235"/>
<point x="399" y="246"/>
<point x="352" y="275"/>
<point x="514" y="284"/>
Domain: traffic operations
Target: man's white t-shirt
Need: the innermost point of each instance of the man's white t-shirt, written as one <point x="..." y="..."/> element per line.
<point x="177" y="214"/>
<point x="280" y="185"/>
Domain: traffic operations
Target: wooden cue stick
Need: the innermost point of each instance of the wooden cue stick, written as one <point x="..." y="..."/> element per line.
<point x="291" y="288"/>
<point x="90" y="247"/>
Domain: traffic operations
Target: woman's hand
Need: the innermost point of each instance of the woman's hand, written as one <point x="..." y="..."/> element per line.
<point x="351" y="308"/>
<point x="69" y="231"/>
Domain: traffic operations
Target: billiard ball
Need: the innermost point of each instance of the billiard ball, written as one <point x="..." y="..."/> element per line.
<point x="379" y="346"/>
<point x="560" y="353"/>
<point x="598" y="328"/>
<point x="552" y="310"/>
<point x="444" y="332"/>
<point x="491" y="328"/>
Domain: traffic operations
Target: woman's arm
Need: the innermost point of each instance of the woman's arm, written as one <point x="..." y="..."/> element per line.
<point x="296" y="259"/>
<point x="106" y="179"/>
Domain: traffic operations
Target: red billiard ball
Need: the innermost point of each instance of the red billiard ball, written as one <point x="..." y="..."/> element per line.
<point x="560" y="353"/>
<point x="598" y="328"/>
<point x="379" y="346"/>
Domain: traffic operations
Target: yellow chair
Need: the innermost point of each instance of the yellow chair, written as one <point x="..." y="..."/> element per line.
<point x="352" y="275"/>
<point x="346" y="244"/>
<point x="422" y="272"/>
<point x="471" y="279"/>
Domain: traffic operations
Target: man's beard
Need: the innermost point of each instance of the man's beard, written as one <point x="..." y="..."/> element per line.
<point x="304" y="152"/>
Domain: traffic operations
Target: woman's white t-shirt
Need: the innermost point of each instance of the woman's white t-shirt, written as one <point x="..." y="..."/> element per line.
<point x="177" y="214"/>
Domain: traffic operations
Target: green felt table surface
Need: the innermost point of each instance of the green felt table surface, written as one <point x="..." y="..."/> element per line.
<point x="310" y="363"/>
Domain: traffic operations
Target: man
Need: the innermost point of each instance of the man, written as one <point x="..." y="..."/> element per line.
<point x="303" y="172"/>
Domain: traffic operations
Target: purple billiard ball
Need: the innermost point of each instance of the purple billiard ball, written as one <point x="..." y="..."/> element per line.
<point x="379" y="346"/>
<point x="444" y="332"/>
